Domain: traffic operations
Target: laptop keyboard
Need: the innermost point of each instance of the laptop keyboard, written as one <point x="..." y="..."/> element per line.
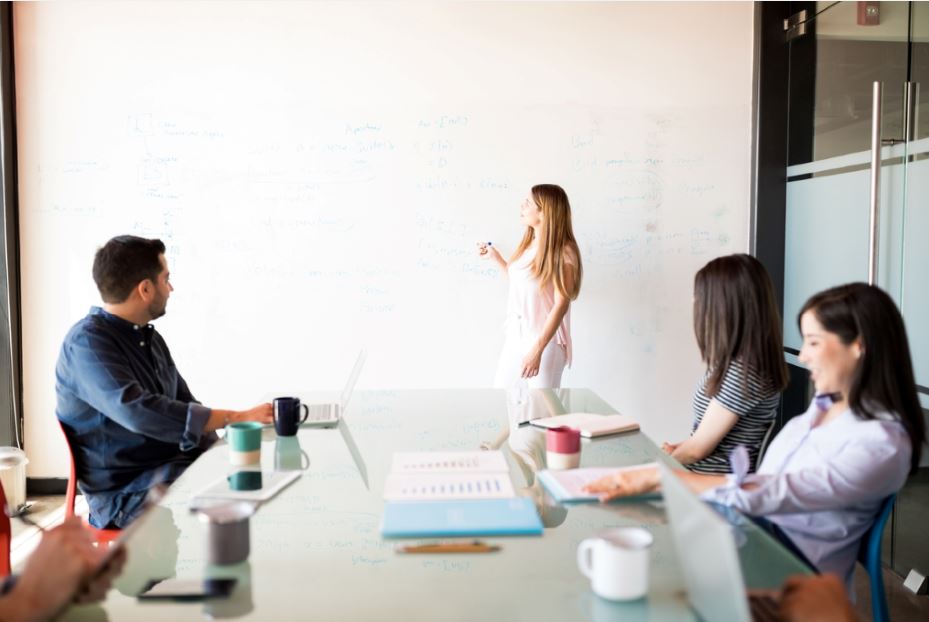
<point x="321" y="412"/>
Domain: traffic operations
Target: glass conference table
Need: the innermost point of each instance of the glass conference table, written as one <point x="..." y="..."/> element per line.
<point x="316" y="549"/>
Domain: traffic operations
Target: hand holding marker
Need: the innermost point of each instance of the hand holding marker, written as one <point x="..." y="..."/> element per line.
<point x="486" y="250"/>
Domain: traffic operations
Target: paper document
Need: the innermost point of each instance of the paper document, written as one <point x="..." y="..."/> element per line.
<point x="568" y="485"/>
<point x="449" y="462"/>
<point x="446" y="486"/>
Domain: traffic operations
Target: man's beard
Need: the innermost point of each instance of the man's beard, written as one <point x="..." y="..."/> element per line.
<point x="157" y="309"/>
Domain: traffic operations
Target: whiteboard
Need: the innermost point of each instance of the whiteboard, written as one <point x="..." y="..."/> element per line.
<point x="321" y="172"/>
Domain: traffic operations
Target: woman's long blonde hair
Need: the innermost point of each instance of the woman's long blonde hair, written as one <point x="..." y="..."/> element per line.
<point x="555" y="237"/>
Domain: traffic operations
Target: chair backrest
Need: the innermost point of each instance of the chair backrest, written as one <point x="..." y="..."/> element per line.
<point x="71" y="490"/>
<point x="869" y="554"/>
<point x="763" y="447"/>
<point x="6" y="534"/>
<point x="100" y="535"/>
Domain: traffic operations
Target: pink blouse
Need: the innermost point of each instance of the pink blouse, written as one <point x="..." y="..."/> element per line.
<point x="528" y="305"/>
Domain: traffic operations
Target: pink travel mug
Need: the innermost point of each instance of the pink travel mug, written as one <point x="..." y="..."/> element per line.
<point x="563" y="448"/>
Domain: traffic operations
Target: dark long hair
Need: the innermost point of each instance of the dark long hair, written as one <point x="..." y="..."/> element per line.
<point x="883" y="379"/>
<point x="736" y="317"/>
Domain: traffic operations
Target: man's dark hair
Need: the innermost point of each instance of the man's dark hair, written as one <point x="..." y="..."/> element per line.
<point x="124" y="262"/>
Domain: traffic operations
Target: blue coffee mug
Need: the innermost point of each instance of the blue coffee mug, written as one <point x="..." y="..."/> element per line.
<point x="287" y="415"/>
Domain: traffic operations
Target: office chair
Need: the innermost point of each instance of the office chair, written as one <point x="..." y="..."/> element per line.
<point x="763" y="447"/>
<point x="5" y="536"/>
<point x="869" y="555"/>
<point x="101" y="536"/>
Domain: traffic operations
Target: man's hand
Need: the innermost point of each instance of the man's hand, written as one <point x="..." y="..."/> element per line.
<point x="821" y="598"/>
<point x="263" y="413"/>
<point x="625" y="483"/>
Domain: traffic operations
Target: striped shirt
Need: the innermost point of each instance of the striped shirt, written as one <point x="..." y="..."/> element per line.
<point x="753" y="400"/>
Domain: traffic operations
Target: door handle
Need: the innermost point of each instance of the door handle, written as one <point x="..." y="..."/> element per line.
<point x="876" y="96"/>
<point x="911" y="110"/>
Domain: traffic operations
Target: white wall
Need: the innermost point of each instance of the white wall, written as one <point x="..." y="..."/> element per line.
<point x="321" y="171"/>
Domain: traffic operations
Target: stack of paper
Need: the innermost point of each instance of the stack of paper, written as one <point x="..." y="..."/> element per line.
<point x="425" y="476"/>
<point x="436" y="494"/>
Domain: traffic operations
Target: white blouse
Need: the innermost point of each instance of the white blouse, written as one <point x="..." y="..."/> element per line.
<point x="824" y="485"/>
<point x="528" y="305"/>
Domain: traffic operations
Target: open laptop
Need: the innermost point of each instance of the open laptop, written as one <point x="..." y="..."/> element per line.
<point x="709" y="560"/>
<point x="328" y="414"/>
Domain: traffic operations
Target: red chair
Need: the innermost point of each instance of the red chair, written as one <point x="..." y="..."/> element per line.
<point x="101" y="536"/>
<point x="5" y="537"/>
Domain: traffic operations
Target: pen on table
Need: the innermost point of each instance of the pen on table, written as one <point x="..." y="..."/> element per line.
<point x="449" y="547"/>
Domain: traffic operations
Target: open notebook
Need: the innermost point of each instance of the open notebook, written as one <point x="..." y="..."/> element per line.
<point x="589" y="424"/>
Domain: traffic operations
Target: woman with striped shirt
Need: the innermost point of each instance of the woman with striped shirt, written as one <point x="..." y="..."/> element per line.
<point x="738" y="331"/>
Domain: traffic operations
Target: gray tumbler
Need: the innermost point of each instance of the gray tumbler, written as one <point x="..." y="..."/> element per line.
<point x="228" y="532"/>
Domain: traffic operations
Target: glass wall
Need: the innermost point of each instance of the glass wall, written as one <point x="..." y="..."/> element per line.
<point x="832" y="71"/>
<point x="915" y="272"/>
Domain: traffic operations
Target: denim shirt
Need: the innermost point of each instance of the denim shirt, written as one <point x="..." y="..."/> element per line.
<point x="129" y="416"/>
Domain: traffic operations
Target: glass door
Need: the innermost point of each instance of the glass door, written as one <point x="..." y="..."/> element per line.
<point x="837" y="54"/>
<point x="838" y="50"/>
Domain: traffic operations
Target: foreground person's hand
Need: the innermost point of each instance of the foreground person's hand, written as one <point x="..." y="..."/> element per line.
<point x="625" y="484"/>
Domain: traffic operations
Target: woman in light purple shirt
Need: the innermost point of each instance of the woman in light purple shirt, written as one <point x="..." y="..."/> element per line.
<point x="824" y="476"/>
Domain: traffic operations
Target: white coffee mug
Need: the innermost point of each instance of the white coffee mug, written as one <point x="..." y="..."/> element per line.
<point x="616" y="562"/>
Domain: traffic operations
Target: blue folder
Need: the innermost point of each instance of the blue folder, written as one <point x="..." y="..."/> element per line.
<point x="477" y="517"/>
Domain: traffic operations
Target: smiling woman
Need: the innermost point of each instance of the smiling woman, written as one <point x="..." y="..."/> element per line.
<point x="855" y="345"/>
<point x="830" y="361"/>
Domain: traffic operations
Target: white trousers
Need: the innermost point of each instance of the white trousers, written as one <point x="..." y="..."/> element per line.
<point x="510" y="366"/>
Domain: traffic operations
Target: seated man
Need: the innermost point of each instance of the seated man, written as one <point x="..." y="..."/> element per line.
<point x="129" y="416"/>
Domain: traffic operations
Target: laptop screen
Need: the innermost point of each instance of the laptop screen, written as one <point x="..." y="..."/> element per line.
<point x="352" y="379"/>
<point x="706" y="553"/>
